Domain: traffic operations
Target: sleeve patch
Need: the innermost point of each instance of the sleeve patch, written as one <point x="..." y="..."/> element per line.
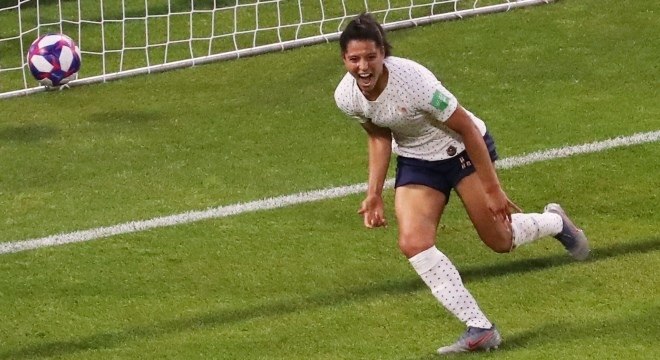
<point x="439" y="101"/>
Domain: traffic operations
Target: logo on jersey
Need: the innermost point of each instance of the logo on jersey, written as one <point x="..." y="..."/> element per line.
<point x="439" y="101"/>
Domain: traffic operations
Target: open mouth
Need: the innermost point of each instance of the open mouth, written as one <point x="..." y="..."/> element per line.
<point x="365" y="80"/>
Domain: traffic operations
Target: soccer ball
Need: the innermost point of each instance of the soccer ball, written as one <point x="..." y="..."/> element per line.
<point x="54" y="59"/>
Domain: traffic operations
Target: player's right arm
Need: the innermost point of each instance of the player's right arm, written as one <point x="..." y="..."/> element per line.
<point x="380" y="151"/>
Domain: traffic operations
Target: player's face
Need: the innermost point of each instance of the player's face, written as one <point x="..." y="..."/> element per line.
<point x="364" y="60"/>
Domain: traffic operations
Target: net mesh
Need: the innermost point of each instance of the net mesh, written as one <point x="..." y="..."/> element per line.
<point x="122" y="38"/>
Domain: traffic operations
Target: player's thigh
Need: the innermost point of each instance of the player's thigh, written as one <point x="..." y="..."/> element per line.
<point x="418" y="210"/>
<point x="495" y="234"/>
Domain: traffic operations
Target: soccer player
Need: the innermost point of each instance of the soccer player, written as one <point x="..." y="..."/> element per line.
<point x="440" y="146"/>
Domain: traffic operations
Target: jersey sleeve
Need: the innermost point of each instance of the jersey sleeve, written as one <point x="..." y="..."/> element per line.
<point x="345" y="99"/>
<point x="432" y="97"/>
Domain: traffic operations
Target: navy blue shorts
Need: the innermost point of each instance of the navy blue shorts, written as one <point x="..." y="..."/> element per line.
<point x="442" y="175"/>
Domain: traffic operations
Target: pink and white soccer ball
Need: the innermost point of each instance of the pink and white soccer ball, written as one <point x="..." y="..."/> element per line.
<point x="54" y="59"/>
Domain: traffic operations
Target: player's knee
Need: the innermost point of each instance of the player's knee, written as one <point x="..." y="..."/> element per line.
<point x="412" y="244"/>
<point x="498" y="240"/>
<point x="500" y="245"/>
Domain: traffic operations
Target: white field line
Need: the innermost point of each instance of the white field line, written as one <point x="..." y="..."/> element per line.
<point x="304" y="197"/>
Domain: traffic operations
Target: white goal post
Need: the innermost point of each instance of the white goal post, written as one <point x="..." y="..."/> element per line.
<point x="120" y="38"/>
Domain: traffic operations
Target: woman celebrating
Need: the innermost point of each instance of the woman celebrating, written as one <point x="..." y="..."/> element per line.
<point x="440" y="146"/>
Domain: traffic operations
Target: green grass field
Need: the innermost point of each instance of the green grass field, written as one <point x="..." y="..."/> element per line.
<point x="308" y="281"/>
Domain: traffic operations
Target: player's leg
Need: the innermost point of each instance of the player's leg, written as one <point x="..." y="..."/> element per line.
<point x="524" y="228"/>
<point x="418" y="210"/>
<point x="497" y="235"/>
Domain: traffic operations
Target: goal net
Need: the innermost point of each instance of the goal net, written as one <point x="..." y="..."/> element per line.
<point x="120" y="38"/>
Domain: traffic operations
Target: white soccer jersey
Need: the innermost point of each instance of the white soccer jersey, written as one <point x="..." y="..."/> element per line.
<point x="414" y="106"/>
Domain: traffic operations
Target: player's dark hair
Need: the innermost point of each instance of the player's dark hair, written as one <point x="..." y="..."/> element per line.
<point x="364" y="27"/>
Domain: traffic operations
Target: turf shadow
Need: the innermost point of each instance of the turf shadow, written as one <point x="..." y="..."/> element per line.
<point x="27" y="133"/>
<point x="470" y="274"/>
<point x="623" y="329"/>
<point x="544" y="333"/>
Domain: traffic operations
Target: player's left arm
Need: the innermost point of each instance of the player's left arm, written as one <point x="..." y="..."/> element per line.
<point x="442" y="106"/>
<point x="461" y="123"/>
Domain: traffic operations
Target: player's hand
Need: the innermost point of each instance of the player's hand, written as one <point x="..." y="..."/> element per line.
<point x="372" y="211"/>
<point x="502" y="207"/>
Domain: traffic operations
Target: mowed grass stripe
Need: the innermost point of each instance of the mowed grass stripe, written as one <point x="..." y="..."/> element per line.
<point x="304" y="197"/>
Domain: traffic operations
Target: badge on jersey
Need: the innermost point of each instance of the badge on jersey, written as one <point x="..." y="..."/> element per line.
<point x="439" y="101"/>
